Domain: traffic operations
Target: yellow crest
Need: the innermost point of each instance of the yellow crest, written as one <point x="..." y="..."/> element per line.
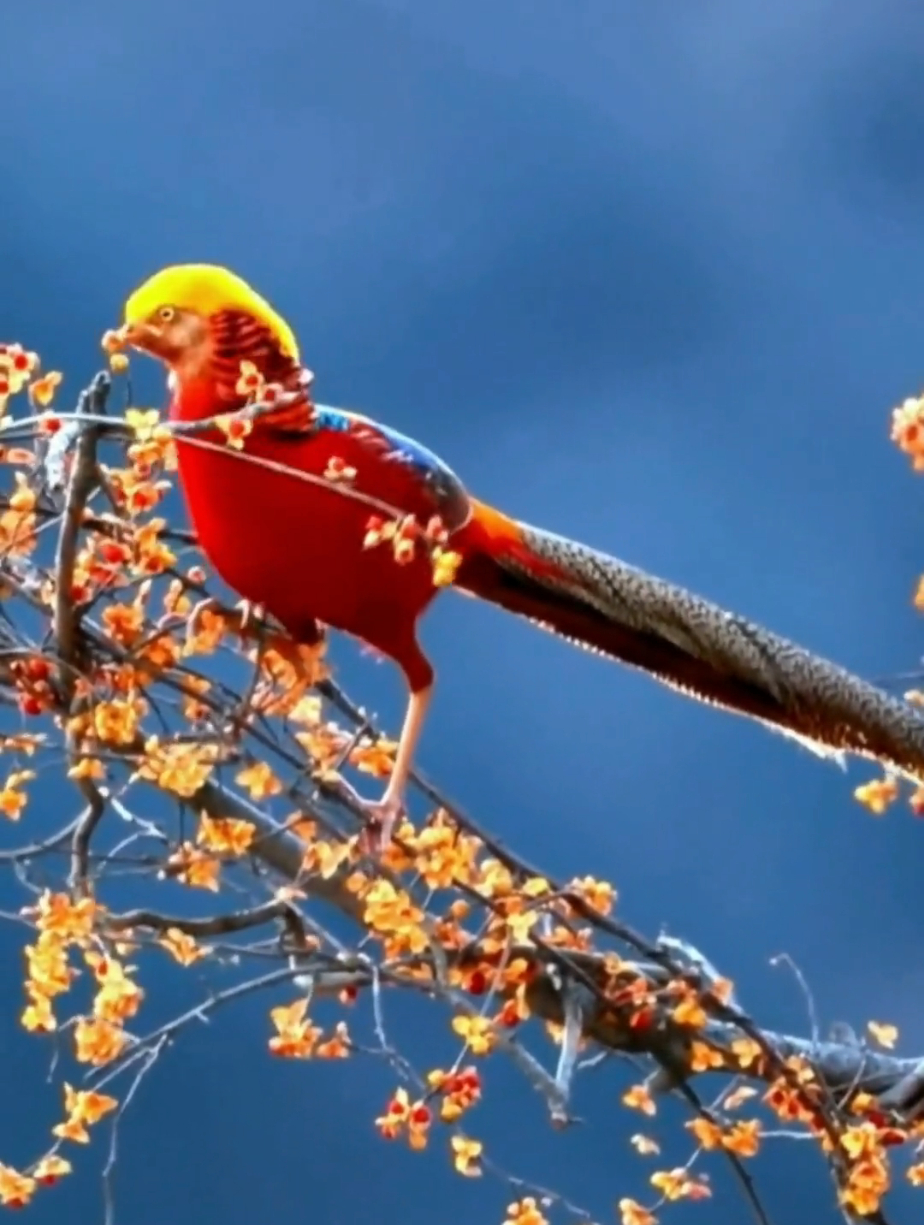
<point x="208" y="289"/>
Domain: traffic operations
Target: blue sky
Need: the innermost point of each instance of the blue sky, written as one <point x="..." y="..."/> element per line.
<point x="651" y="275"/>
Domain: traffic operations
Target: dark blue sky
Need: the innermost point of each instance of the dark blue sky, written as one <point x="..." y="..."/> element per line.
<point x="651" y="275"/>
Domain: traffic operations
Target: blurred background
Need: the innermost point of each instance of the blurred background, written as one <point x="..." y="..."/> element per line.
<point x="650" y="275"/>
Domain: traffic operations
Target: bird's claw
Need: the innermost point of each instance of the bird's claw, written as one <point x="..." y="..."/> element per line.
<point x="246" y="620"/>
<point x="242" y="619"/>
<point x="381" y="816"/>
<point x="208" y="603"/>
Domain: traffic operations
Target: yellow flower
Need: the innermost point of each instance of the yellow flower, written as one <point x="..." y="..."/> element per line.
<point x="224" y="835"/>
<point x="638" y="1098"/>
<point x="97" y="1041"/>
<point x="194" y="867"/>
<point x="49" y="972"/>
<point x="15" y="1189"/>
<point x="476" y="1031"/>
<point x="181" y="947"/>
<point x="391" y="912"/>
<point x="644" y="1145"/>
<point x="877" y="795"/>
<point x="12" y="798"/>
<point x="142" y="422"/>
<point x="42" y="390"/>
<point x="632" y="1213"/>
<point x="118" y="998"/>
<point x="235" y="428"/>
<point x="57" y="913"/>
<point x="339" y="470"/>
<point x="250" y="382"/>
<point x="180" y="768"/>
<point x="50" y="1168"/>
<point x="295" y="1037"/>
<point x="259" y="780"/>
<point x="885" y="1035"/>
<point x="525" y="1212"/>
<point x="466" y="1156"/>
<point x="86" y="1105"/>
<point x="678" y="1184"/>
<point x="446" y="563"/>
<point x="337" y="1046"/>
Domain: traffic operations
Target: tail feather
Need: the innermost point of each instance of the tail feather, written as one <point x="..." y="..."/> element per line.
<point x="715" y="656"/>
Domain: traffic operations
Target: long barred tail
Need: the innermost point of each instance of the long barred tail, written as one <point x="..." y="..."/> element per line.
<point x="712" y="655"/>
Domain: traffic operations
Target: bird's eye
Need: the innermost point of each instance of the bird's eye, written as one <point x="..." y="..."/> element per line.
<point x="166" y="314"/>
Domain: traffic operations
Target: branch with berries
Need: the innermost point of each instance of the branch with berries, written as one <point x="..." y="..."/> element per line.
<point x="204" y="750"/>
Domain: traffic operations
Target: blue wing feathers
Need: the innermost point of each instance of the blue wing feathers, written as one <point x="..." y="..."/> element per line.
<point x="449" y="492"/>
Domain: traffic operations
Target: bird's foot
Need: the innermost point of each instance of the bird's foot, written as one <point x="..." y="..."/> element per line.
<point x="239" y="620"/>
<point x="381" y="816"/>
<point x="300" y="661"/>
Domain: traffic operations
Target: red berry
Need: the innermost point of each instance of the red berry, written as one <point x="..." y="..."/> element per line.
<point x="112" y="552"/>
<point x="891" y="1136"/>
<point x="38" y="669"/>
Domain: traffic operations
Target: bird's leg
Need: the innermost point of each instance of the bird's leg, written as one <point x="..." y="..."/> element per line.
<point x="382" y="814"/>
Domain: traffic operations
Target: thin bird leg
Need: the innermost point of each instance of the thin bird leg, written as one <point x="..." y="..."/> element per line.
<point x="382" y="814"/>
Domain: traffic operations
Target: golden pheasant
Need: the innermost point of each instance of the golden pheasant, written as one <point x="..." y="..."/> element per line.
<point x="288" y="538"/>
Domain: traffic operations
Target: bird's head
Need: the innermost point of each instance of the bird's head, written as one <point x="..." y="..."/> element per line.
<point x="190" y="316"/>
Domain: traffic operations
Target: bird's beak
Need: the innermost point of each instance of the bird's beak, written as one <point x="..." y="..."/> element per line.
<point x="129" y="335"/>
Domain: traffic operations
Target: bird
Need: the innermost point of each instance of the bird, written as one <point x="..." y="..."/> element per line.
<point x="286" y="536"/>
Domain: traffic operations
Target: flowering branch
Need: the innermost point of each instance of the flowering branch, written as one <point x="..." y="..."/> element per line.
<point x="240" y="743"/>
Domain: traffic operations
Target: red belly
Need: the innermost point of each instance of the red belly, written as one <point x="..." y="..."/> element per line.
<point x="297" y="547"/>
